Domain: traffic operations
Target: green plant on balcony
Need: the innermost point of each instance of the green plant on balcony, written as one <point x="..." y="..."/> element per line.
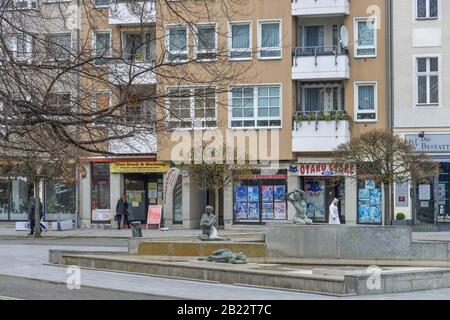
<point x="321" y="116"/>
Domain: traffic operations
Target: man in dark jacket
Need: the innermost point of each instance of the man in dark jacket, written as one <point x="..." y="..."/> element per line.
<point x="31" y="215"/>
<point x="122" y="210"/>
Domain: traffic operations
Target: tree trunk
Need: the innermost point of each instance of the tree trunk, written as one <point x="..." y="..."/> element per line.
<point x="387" y="204"/>
<point x="37" y="215"/>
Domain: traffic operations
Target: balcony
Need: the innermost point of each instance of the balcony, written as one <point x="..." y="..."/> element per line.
<point x="312" y="8"/>
<point x="134" y="13"/>
<point x="125" y="72"/>
<point x="320" y="63"/>
<point x="140" y="143"/>
<point x="318" y="132"/>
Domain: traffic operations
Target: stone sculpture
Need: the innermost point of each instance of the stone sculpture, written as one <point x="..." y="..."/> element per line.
<point x="227" y="256"/>
<point x="207" y="224"/>
<point x="298" y="199"/>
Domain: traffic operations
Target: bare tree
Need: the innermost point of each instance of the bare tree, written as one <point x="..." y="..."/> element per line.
<point x="386" y="158"/>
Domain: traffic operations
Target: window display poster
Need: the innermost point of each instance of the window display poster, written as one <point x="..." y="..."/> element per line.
<point x="253" y="194"/>
<point x="267" y="193"/>
<point x="424" y="192"/>
<point x="241" y="210"/>
<point x="253" y="211"/>
<point x="442" y="193"/>
<point x="280" y="210"/>
<point x="241" y="194"/>
<point x="369" y="203"/>
<point x="152" y="190"/>
<point x="267" y="211"/>
<point x="315" y="201"/>
<point x="279" y="193"/>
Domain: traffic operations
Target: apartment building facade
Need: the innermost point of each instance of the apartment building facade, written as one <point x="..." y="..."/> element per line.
<point x="421" y="109"/>
<point x="34" y="31"/>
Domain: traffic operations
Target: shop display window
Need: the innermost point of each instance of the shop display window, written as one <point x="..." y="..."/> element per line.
<point x="369" y="202"/>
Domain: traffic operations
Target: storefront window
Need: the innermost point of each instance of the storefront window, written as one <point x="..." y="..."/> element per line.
<point x="260" y="200"/>
<point x="369" y="202"/>
<point x="444" y="193"/>
<point x="22" y="192"/>
<point x="59" y="197"/>
<point x="100" y="196"/>
<point x="4" y="199"/>
<point x="178" y="201"/>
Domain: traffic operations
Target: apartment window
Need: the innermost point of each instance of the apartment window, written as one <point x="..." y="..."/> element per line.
<point x="314" y="38"/>
<point x="427" y="9"/>
<point x="59" y="102"/>
<point x="17" y="4"/>
<point x="366" y="101"/>
<point x="256" y="106"/>
<point x="178" y="44"/>
<point x="137" y="46"/>
<point x="206" y="42"/>
<point x="269" y="40"/>
<point x="321" y="98"/>
<point x="192" y="107"/>
<point x="428" y="81"/>
<point x="240" y="47"/>
<point x="19" y="46"/>
<point x="102" y="46"/>
<point x="59" y="46"/>
<point x="365" y="34"/>
<point x="138" y="110"/>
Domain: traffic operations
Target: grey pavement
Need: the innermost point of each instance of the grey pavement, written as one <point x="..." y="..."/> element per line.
<point x="26" y="289"/>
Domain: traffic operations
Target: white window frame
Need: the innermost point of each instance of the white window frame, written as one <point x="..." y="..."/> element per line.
<point x="428" y="74"/>
<point x="427" y="17"/>
<point x="167" y="29"/>
<point x="356" y="100"/>
<point x="144" y="45"/>
<point x="14" y="51"/>
<point x="255" y="117"/>
<point x="216" y="44"/>
<point x="94" y="40"/>
<point x="192" y="97"/>
<point x="230" y="40"/>
<point x="280" y="48"/>
<point x="101" y="5"/>
<point x="356" y="36"/>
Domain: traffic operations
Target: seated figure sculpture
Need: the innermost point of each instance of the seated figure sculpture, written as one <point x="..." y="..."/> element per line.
<point x="298" y="199"/>
<point x="207" y="224"/>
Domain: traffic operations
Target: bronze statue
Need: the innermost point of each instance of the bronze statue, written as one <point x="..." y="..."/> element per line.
<point x="298" y="199"/>
<point x="207" y="224"/>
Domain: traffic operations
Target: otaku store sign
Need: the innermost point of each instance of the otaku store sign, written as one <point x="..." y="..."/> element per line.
<point x="323" y="169"/>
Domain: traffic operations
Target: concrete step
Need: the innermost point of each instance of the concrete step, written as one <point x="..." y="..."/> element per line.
<point x="199" y="249"/>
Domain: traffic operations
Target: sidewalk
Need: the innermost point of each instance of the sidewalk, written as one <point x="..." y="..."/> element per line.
<point x="8" y="230"/>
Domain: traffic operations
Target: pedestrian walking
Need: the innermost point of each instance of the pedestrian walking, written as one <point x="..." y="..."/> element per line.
<point x="31" y="216"/>
<point x="122" y="210"/>
<point x="334" y="212"/>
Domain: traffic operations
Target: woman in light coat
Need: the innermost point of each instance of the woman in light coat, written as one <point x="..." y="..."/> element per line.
<point x="334" y="213"/>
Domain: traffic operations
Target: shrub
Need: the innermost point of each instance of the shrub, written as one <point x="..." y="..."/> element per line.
<point x="400" y="216"/>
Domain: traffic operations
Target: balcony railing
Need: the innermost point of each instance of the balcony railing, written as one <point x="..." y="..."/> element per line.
<point x="133" y="71"/>
<point x="320" y="7"/>
<point x="319" y="62"/>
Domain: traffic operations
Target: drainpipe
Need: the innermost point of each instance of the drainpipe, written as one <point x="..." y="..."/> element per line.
<point x="388" y="65"/>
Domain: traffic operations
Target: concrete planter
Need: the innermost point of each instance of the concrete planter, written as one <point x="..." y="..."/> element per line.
<point x="402" y="222"/>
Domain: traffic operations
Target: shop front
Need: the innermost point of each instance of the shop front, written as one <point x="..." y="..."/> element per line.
<point x="260" y="198"/>
<point x="141" y="179"/>
<point x="322" y="182"/>
<point x="430" y="198"/>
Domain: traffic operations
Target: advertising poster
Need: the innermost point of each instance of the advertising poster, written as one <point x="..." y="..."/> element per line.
<point x="267" y="193"/>
<point x="241" y="194"/>
<point x="279" y="193"/>
<point x="241" y="210"/>
<point x="369" y="203"/>
<point x="253" y="194"/>
<point x="267" y="211"/>
<point x="280" y="210"/>
<point x="315" y="201"/>
<point x="253" y="211"/>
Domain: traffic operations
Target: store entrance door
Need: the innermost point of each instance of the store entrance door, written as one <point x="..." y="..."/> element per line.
<point x="424" y="202"/>
<point x="143" y="190"/>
